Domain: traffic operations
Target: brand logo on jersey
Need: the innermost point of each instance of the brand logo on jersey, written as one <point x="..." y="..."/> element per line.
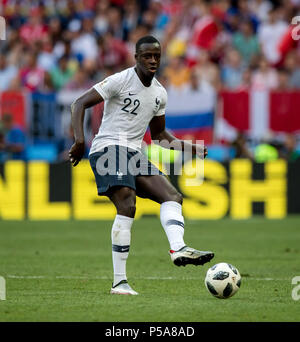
<point x="131" y="94"/>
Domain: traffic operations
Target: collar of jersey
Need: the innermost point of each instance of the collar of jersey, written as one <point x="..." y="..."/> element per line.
<point x="140" y="79"/>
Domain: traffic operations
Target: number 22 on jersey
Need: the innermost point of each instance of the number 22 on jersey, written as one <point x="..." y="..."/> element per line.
<point x="129" y="108"/>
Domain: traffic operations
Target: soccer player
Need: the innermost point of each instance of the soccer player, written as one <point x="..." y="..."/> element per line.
<point x="133" y="99"/>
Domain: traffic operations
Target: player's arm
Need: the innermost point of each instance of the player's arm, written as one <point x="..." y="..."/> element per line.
<point x="90" y="98"/>
<point x="160" y="135"/>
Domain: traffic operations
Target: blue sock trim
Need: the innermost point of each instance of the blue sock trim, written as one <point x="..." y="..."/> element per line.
<point x="175" y="223"/>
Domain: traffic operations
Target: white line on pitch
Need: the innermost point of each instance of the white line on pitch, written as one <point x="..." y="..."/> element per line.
<point x="141" y="278"/>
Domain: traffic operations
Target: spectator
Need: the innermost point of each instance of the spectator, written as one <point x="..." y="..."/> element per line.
<point x="55" y="29"/>
<point x="207" y="70"/>
<point x="162" y="17"/>
<point x="204" y="32"/>
<point x="32" y="77"/>
<point x="12" y="143"/>
<point x="131" y="18"/>
<point x="15" y="55"/>
<point x="163" y="79"/>
<point x="84" y="43"/>
<point x="291" y="63"/>
<point x="265" y="78"/>
<point x="205" y="28"/>
<point x="194" y="82"/>
<point x="260" y="8"/>
<point x="63" y="48"/>
<point x="112" y="52"/>
<point x="62" y="73"/>
<point x="270" y="34"/>
<point x="241" y="147"/>
<point x="221" y="45"/>
<point x="283" y="80"/>
<point x="232" y="70"/>
<point x="114" y="17"/>
<point x="149" y="18"/>
<point x="245" y="14"/>
<point x="246" y="42"/>
<point x="231" y="20"/>
<point x="46" y="58"/>
<point x="80" y="81"/>
<point x="34" y="30"/>
<point x="101" y="21"/>
<point x="17" y="16"/>
<point x="177" y="72"/>
<point x="15" y="84"/>
<point x="90" y="67"/>
<point x="7" y="73"/>
<point x="246" y="80"/>
<point x="134" y="36"/>
<point x="289" y="150"/>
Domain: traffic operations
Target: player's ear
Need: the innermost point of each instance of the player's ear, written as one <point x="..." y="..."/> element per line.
<point x="136" y="56"/>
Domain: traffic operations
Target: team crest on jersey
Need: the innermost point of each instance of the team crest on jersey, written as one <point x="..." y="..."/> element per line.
<point x="157" y="104"/>
<point x="119" y="174"/>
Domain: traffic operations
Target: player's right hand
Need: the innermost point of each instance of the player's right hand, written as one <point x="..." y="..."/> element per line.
<point x="76" y="152"/>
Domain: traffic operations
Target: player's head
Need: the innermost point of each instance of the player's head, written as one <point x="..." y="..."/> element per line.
<point x="147" y="55"/>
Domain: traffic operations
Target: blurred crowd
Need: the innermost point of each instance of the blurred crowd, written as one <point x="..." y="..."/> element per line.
<point x="54" y="45"/>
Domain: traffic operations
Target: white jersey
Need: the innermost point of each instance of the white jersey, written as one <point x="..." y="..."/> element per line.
<point x="128" y="108"/>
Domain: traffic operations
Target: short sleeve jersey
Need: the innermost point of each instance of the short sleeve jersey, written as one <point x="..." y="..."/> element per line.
<point x="129" y="106"/>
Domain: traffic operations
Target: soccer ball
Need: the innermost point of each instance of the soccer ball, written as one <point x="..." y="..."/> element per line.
<point x="222" y="280"/>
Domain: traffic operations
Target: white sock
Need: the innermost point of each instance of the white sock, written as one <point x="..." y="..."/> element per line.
<point x="120" y="237"/>
<point x="173" y="222"/>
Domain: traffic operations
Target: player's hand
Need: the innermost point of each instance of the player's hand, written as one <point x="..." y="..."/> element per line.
<point x="201" y="151"/>
<point x="76" y="152"/>
<point x="205" y="151"/>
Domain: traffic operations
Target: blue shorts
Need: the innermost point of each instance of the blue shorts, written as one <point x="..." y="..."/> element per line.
<point x="119" y="165"/>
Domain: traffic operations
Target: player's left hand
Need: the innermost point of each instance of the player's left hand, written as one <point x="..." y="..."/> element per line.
<point x="205" y="151"/>
<point x="76" y="153"/>
<point x="201" y="151"/>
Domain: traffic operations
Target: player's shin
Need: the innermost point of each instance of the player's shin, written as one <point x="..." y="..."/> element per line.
<point x="120" y="236"/>
<point x="173" y="223"/>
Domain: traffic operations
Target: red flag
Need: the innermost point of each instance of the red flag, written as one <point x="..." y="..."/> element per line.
<point x="284" y="111"/>
<point x="236" y="109"/>
<point x="13" y="102"/>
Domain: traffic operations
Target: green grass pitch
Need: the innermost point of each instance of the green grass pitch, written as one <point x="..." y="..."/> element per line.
<point x="62" y="271"/>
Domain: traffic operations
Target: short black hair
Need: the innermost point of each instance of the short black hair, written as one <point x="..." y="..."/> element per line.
<point x="145" y="40"/>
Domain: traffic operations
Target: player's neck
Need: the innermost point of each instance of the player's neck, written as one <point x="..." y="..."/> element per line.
<point x="146" y="80"/>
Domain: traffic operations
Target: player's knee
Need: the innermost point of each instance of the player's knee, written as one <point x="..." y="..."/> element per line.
<point x="176" y="197"/>
<point x="124" y="200"/>
<point x="127" y="210"/>
<point x="131" y="210"/>
<point x="127" y="206"/>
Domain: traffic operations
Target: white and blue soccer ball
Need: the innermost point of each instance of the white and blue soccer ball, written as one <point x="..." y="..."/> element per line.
<point x="223" y="280"/>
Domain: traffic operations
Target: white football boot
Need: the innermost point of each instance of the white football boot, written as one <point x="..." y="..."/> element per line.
<point x="123" y="288"/>
<point x="187" y="255"/>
